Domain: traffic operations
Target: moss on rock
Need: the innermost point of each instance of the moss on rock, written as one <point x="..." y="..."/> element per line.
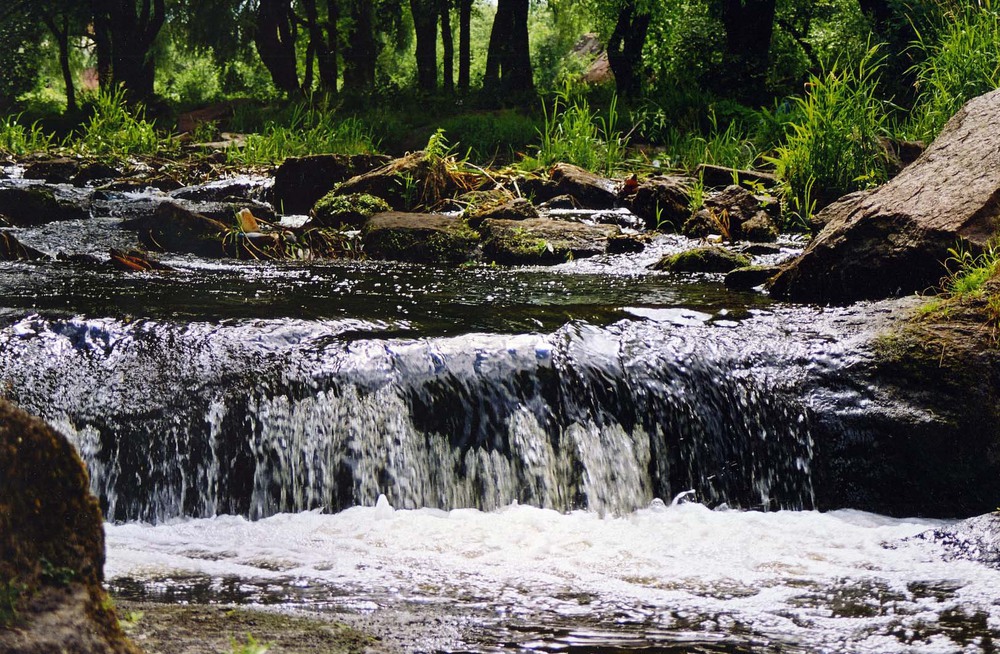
<point x="711" y="259"/>
<point x="350" y="210"/>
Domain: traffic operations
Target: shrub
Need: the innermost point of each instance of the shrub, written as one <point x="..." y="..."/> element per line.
<point x="116" y="129"/>
<point x="19" y="140"/>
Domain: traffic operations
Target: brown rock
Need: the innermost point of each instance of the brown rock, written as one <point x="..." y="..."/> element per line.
<point x="663" y="202"/>
<point x="300" y="181"/>
<point x="893" y="240"/>
<point x="36" y="205"/>
<point x="590" y="190"/>
<point x="57" y="170"/>
<point x="51" y="546"/>
<point x="542" y="241"/>
<point x="516" y="209"/>
<point x="420" y="238"/>
<point x="173" y="228"/>
<point x="406" y="183"/>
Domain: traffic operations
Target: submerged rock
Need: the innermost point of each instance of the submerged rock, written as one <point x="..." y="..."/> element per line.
<point x="37" y="205"/>
<point x="892" y="241"/>
<point x="299" y="182"/>
<point x="542" y="241"/>
<point x="419" y="238"/>
<point x="712" y="259"/>
<point x="13" y="250"/>
<point x="51" y="547"/>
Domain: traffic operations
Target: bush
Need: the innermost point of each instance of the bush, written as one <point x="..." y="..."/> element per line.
<point x="834" y="147"/>
<point x="18" y="140"/>
<point x="116" y="129"/>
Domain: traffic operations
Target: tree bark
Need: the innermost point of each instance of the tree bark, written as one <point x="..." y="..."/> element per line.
<point x="425" y="15"/>
<point x="328" y="69"/>
<point x="749" y="25"/>
<point x="359" y="50"/>
<point x="508" y="62"/>
<point x="625" y="49"/>
<point x="464" y="44"/>
<point x="61" y="35"/>
<point x="448" y="46"/>
<point x="126" y="34"/>
<point x="275" y="38"/>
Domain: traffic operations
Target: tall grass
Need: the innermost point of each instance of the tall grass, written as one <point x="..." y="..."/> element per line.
<point x="733" y="146"/>
<point x="573" y="133"/>
<point x="115" y="128"/>
<point x="961" y="61"/>
<point x="303" y="130"/>
<point x="834" y="146"/>
<point x="19" y="140"/>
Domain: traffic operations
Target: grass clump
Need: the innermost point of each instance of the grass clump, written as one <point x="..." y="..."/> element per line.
<point x="18" y="140"/>
<point x="115" y="128"/>
<point x="971" y="283"/>
<point x="961" y="61"/>
<point x="304" y="130"/>
<point x="573" y="133"/>
<point x="251" y="646"/>
<point x="834" y="147"/>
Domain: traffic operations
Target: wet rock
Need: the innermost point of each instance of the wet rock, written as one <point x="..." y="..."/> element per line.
<point x="299" y="182"/>
<point x="590" y="191"/>
<point x="224" y="190"/>
<point x="174" y="228"/>
<point x="663" y="202"/>
<point x="141" y="183"/>
<point x="561" y="202"/>
<point x="712" y="259"/>
<point x="516" y="209"/>
<point x="88" y="261"/>
<point x="13" y="250"/>
<point x="30" y="206"/>
<point x="95" y="172"/>
<point x="893" y="240"/>
<point x="748" y="277"/>
<point x="419" y="238"/>
<point x="57" y="170"/>
<point x="541" y="190"/>
<point x="351" y="210"/>
<point x="51" y="547"/>
<point x="542" y="241"/>
<point x="626" y="244"/>
<point x="720" y="177"/>
<point x="407" y="183"/>
<point x="3" y="221"/>
<point x="975" y="539"/>
<point x="759" y="228"/>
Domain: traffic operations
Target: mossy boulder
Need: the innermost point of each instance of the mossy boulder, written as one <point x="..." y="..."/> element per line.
<point x="30" y="206"/>
<point x="419" y="238"/>
<point x="502" y="209"/>
<point x="542" y="241"/>
<point x="711" y="259"/>
<point x="407" y="183"/>
<point x="351" y="210"/>
<point x="51" y="546"/>
<point x="663" y="202"/>
<point x="299" y="182"/>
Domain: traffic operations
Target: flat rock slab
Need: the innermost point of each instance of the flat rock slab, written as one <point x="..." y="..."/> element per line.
<point x="419" y="238"/>
<point x="30" y="206"/>
<point x="543" y="241"/>
<point x="893" y="240"/>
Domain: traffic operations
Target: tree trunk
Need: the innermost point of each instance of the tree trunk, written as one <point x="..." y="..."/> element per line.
<point x="126" y="34"/>
<point x="61" y="36"/>
<point x="464" y="44"/>
<point x="328" y="71"/>
<point x="360" y="50"/>
<point x="448" y="45"/>
<point x="275" y="38"/>
<point x="625" y="49"/>
<point x="425" y="15"/>
<point x="749" y="25"/>
<point x="508" y="62"/>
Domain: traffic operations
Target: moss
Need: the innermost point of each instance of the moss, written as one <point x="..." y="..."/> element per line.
<point x="351" y="210"/>
<point x="705" y="259"/>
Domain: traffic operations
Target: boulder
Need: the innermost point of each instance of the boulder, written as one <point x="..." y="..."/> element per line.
<point x="174" y="228"/>
<point x="542" y="241"/>
<point x="51" y="547"/>
<point x="30" y="206"/>
<point x="736" y="214"/>
<point x="419" y="238"/>
<point x="56" y="170"/>
<point x="711" y="259"/>
<point x="713" y="176"/>
<point x="663" y="202"/>
<point x="95" y="172"/>
<point x="351" y="211"/>
<point x="13" y="250"/>
<point x="892" y="241"/>
<point x="590" y="190"/>
<point x="516" y="209"/>
<point x="749" y="277"/>
<point x="237" y="190"/>
<point x="300" y="181"/>
<point x="407" y="183"/>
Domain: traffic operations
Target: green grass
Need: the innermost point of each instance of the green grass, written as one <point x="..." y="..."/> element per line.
<point x="960" y="62"/>
<point x="303" y="130"/>
<point x="19" y="140"/>
<point x="834" y="146"/>
<point x="116" y="129"/>
<point x="251" y="646"/>
<point x="732" y="147"/>
<point x="492" y="136"/>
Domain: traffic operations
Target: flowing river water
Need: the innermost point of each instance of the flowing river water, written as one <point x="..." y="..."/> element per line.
<point x="586" y="458"/>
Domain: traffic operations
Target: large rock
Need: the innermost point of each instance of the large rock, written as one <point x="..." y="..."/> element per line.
<point x="300" y="181"/>
<point x="663" y="202"/>
<point x="419" y="238"/>
<point x="542" y="241"/>
<point x="37" y="205"/>
<point x="590" y="190"/>
<point x="173" y="228"/>
<point x="407" y="183"/>
<point x="893" y="240"/>
<point x="51" y="547"/>
<point x="711" y="259"/>
<point x="13" y="250"/>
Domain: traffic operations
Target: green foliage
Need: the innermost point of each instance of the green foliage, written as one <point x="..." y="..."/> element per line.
<point x="732" y="147"/>
<point x="303" y="130"/>
<point x="834" y="147"/>
<point x="10" y="595"/>
<point x="572" y="133"/>
<point x="19" y="140"/>
<point x="115" y="128"/>
<point x="251" y="646"/>
<point x="20" y="58"/>
<point x="968" y="272"/>
<point x="961" y="61"/>
<point x="496" y="135"/>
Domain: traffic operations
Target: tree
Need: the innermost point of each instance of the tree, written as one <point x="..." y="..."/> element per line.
<point x="125" y="31"/>
<point x="749" y="25"/>
<point x="425" y="19"/>
<point x="464" y="44"/>
<point x="625" y="47"/>
<point x="448" y="47"/>
<point x="275" y="37"/>
<point x="508" y="62"/>
<point x="360" y="49"/>
<point x="64" y="20"/>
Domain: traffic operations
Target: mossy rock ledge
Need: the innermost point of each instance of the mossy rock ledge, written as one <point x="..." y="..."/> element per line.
<point x="419" y="238"/>
<point x="914" y="428"/>
<point x="711" y="259"/>
<point x="51" y="547"/>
